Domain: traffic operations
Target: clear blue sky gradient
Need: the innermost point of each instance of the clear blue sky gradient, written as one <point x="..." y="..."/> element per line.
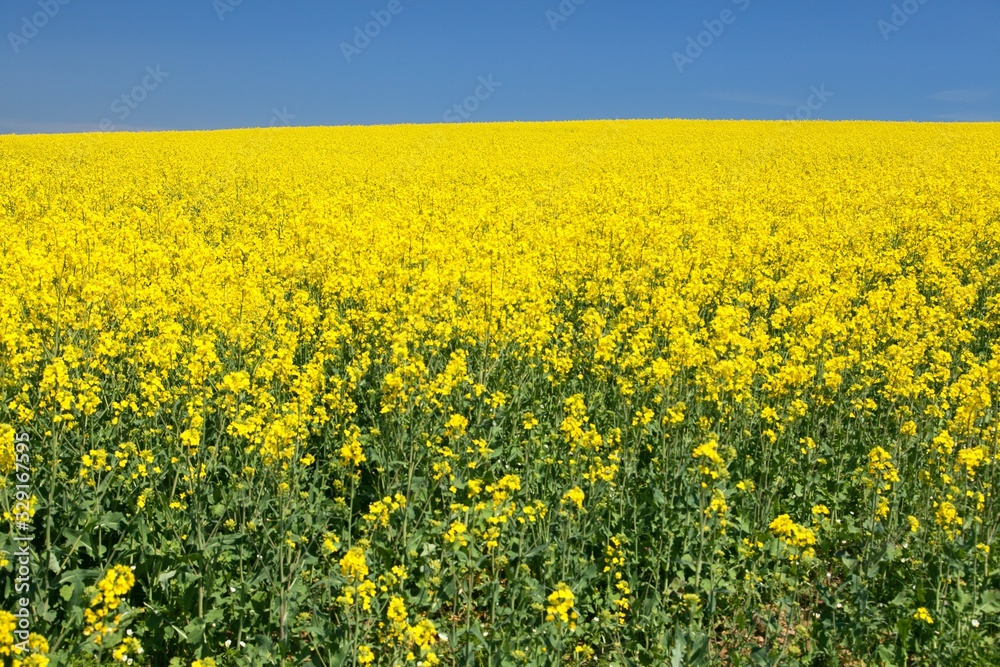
<point x="254" y="63"/>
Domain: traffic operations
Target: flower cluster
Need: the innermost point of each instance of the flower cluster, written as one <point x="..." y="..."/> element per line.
<point x="560" y="608"/>
<point x="794" y="535"/>
<point x="100" y="616"/>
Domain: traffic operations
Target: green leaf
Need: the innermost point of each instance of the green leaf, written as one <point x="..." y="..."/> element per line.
<point x="54" y="564"/>
<point x="195" y="631"/>
<point x="962" y="599"/>
<point x="214" y="615"/>
<point x="78" y="577"/>
<point x="885" y="653"/>
<point x="165" y="577"/>
<point x="989" y="603"/>
<point x="677" y="654"/>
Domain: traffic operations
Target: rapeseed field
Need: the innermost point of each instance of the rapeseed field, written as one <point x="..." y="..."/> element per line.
<point x="583" y="393"/>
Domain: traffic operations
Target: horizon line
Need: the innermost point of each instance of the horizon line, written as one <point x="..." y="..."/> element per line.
<point x="499" y="122"/>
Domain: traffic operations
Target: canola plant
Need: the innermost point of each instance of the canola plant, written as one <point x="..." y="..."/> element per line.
<point x="588" y="393"/>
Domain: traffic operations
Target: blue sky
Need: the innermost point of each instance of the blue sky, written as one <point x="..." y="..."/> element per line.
<point x="73" y="65"/>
